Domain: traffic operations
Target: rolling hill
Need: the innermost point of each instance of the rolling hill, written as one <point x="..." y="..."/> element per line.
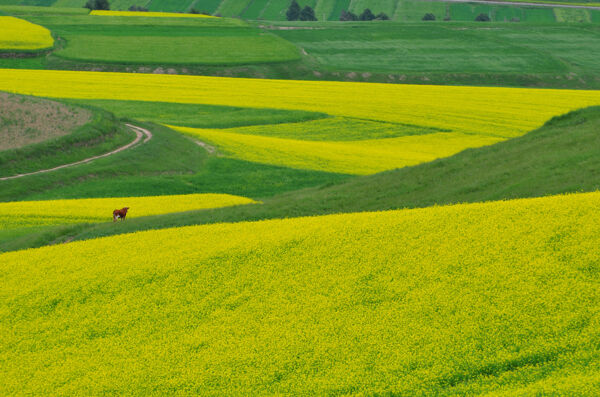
<point x="469" y="299"/>
<point x="294" y="237"/>
<point x="561" y="157"/>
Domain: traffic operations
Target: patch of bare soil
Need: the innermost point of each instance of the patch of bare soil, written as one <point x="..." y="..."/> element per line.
<point x="27" y="120"/>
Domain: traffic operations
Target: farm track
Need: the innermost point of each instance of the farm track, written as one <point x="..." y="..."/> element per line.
<point x="140" y="133"/>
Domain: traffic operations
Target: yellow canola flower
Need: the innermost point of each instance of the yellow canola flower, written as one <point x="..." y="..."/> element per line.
<point x="51" y="212"/>
<point x="469" y="113"/>
<point x="354" y="157"/>
<point x="459" y="300"/>
<point x="494" y="111"/>
<point x="18" y="34"/>
<point x="147" y="14"/>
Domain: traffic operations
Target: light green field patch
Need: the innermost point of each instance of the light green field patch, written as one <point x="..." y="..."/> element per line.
<point x="201" y="116"/>
<point x="324" y="8"/>
<point x="409" y="10"/>
<point x="335" y="129"/>
<point x="232" y="8"/>
<point x="376" y="6"/>
<point x="572" y="15"/>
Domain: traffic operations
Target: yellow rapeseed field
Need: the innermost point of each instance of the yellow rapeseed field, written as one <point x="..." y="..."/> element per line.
<point x="50" y="212"/>
<point x="352" y="157"/>
<point x="498" y="298"/>
<point x="18" y="34"/>
<point x="498" y="111"/>
<point x="475" y="116"/>
<point x="147" y="14"/>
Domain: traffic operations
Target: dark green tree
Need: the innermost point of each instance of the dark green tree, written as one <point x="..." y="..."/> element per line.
<point x="293" y="12"/>
<point x="97" y="5"/>
<point x="307" y="14"/>
<point x="366" y="15"/>
<point x="382" y="16"/>
<point x="137" y="8"/>
<point x="428" y="17"/>
<point x="482" y="17"/>
<point x="348" y="16"/>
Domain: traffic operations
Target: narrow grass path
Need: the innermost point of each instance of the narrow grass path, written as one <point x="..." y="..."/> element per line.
<point x="139" y="132"/>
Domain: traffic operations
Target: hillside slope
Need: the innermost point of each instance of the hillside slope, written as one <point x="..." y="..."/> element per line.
<point x="563" y="156"/>
<point x="470" y="299"/>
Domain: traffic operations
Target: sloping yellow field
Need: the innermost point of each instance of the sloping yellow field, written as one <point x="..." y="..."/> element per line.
<point x="18" y="34"/>
<point x="354" y="157"/>
<point x="498" y="298"/>
<point x="505" y="112"/>
<point x="51" y="212"/>
<point x="475" y="116"/>
<point x="147" y="14"/>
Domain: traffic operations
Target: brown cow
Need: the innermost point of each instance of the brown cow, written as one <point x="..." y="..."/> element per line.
<point x="120" y="214"/>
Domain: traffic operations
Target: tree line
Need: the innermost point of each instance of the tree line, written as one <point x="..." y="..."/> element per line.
<point x="295" y="13"/>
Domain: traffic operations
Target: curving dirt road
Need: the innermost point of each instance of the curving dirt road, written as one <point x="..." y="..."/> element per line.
<point x="139" y="132"/>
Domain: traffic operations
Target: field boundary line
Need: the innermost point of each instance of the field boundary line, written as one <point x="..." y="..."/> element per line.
<point x="139" y="132"/>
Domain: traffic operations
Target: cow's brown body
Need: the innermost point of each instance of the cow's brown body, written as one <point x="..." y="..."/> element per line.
<point x="120" y="214"/>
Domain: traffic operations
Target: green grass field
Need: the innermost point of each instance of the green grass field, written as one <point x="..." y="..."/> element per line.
<point x="561" y="157"/>
<point x="538" y="53"/>
<point x="201" y="116"/>
<point x="165" y="41"/>
<point x="507" y="54"/>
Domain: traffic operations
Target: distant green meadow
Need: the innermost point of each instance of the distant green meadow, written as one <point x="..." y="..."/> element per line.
<point x="135" y="40"/>
<point x="442" y="51"/>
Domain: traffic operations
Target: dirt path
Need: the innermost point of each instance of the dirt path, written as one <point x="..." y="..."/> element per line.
<point x="516" y="3"/>
<point x="139" y="132"/>
<point x="210" y="149"/>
